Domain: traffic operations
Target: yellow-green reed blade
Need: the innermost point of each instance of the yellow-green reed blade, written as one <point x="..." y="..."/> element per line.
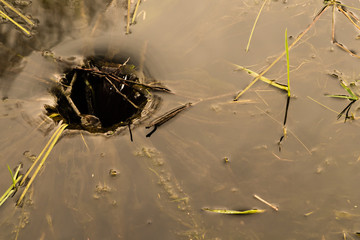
<point x="262" y="78"/>
<point x="55" y="137"/>
<point x="2" y="14"/>
<point x="235" y="212"/>
<point x="287" y="62"/>
<point x="135" y="11"/>
<point x="253" y="28"/>
<point x="18" y="13"/>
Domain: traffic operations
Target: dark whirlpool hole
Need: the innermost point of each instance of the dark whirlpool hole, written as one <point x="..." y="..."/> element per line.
<point x="99" y="96"/>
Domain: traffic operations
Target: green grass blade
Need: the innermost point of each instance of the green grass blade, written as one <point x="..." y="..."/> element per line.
<point x="341" y="96"/>
<point x="287" y="62"/>
<point x="234" y="212"/>
<point x="262" y="78"/>
<point x="9" y="191"/>
<point x="12" y="176"/>
<point x="253" y="28"/>
<point x="343" y="84"/>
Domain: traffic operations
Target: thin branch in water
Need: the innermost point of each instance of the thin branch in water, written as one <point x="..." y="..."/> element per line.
<point x="123" y="95"/>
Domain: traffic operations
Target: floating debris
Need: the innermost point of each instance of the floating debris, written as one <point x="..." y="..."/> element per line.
<point x="165" y="117"/>
<point x="234" y="212"/>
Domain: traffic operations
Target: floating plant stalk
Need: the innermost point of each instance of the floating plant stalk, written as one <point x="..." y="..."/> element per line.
<point x="234" y="212"/>
<point x="2" y="14"/>
<point x="135" y="11"/>
<point x="288" y="90"/>
<point x="13" y="188"/>
<point x="253" y="28"/>
<point x="128" y="18"/>
<point x="48" y="147"/>
<point x="262" y="78"/>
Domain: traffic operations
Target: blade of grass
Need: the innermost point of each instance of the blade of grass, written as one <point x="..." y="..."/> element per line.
<point x="287" y="62"/>
<point x="289" y="94"/>
<point x="128" y="17"/>
<point x="9" y="191"/>
<point x="234" y="212"/>
<point x="40" y="155"/>
<point x="253" y="28"/>
<point x="135" y="11"/>
<point x="15" y="179"/>
<point x="2" y="14"/>
<point x="341" y="96"/>
<point x="18" y="13"/>
<point x="343" y="84"/>
<point x="12" y="176"/>
<point x="262" y="78"/>
<point x="282" y="54"/>
<point x="55" y="138"/>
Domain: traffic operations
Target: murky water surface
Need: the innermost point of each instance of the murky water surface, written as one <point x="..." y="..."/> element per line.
<point x="164" y="181"/>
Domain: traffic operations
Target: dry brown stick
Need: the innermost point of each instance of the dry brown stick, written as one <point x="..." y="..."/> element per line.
<point x="283" y="54"/>
<point x="266" y="202"/>
<point x="123" y="95"/>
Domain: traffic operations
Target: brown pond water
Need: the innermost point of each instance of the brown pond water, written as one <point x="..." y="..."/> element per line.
<point x="164" y="181"/>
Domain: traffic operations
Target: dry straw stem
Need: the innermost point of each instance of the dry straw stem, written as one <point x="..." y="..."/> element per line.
<point x="283" y="53"/>
<point x="49" y="146"/>
<point x="262" y="78"/>
<point x="135" y="11"/>
<point x="128" y="18"/>
<point x="253" y="28"/>
<point x="2" y="14"/>
<point x="18" y="13"/>
<point x="266" y="202"/>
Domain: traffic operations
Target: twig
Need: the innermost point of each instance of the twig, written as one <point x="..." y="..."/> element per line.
<point x="266" y="202"/>
<point x="123" y="95"/>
